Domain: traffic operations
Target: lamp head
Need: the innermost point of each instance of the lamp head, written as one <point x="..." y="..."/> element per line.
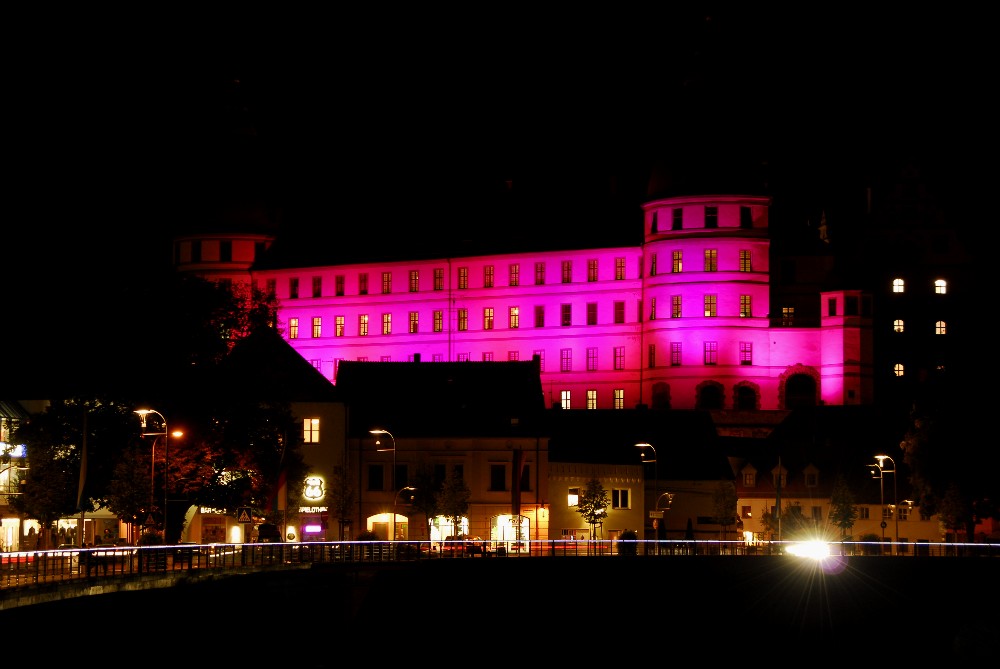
<point x="377" y="431"/>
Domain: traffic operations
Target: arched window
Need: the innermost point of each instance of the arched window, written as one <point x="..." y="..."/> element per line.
<point x="939" y="327"/>
<point x="898" y="369"/>
<point x="897" y="285"/>
<point x="940" y="286"/>
<point x="897" y="325"/>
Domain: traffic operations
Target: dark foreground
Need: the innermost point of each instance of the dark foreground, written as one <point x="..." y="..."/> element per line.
<point x="752" y="611"/>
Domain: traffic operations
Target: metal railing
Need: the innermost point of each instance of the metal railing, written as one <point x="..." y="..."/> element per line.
<point x="28" y="568"/>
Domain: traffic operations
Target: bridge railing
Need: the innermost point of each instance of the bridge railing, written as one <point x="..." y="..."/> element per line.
<point x="28" y="568"/>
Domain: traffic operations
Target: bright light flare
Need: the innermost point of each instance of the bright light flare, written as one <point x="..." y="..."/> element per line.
<point x="815" y="549"/>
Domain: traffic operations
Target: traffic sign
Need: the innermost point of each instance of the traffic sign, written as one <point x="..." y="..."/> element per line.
<point x="884" y="525"/>
<point x="656" y="514"/>
<point x="243" y="515"/>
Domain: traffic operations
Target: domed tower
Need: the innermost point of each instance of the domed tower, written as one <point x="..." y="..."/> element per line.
<point x="231" y="219"/>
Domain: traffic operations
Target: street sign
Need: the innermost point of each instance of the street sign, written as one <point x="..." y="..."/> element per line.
<point x="656" y="514"/>
<point x="883" y="525"/>
<point x="243" y="514"/>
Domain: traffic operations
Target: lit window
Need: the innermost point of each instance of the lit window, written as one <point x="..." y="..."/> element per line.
<point x="386" y="324"/>
<point x="591" y="399"/>
<point x="744" y="306"/>
<point x="293" y="328"/>
<point x="573" y="498"/>
<point x="711" y="260"/>
<point x="363" y="325"/>
<point x="438" y="278"/>
<point x="463" y="319"/>
<point x="619" y="398"/>
<point x="940" y="286"/>
<point x="897" y="325"/>
<point x="788" y="316"/>
<point x="652" y="265"/>
<point x="310" y="433"/>
<point x="897" y="369"/>
<point x="939" y="327"/>
<point x="652" y="308"/>
<point x="710" y="305"/>
<point x="897" y="285"/>
<point x="414" y="322"/>
<point x="677" y="262"/>
<point x="619" y="269"/>
<point x="438" y="320"/>
<point x="463" y="278"/>
<point x="539" y="274"/>
<point x="514" y="317"/>
<point x="386" y="283"/>
<point x="414" y="281"/>
<point x="565" y="399"/>
<point x="317" y="330"/>
<point x="488" y="318"/>
<point x="514" y="278"/>
<point x="338" y="326"/>
<point x="488" y="276"/>
<point x="745" y="264"/>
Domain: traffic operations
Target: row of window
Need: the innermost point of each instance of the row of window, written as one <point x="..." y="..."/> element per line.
<point x="499" y="482"/>
<point x="940" y="327"/>
<point x="940" y="286"/>
<point x="710" y="264"/>
<point x="709" y="303"/>
<point x="816" y="512"/>
<point x="710" y="218"/>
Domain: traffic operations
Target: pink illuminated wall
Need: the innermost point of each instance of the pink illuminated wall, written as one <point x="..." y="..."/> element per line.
<point x="683" y="321"/>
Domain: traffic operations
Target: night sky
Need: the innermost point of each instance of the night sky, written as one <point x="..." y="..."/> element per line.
<point x="369" y="127"/>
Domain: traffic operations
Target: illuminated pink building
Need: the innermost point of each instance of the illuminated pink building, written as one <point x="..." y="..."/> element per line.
<point x="686" y="320"/>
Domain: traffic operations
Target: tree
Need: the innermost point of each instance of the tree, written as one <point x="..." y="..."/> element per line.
<point x="954" y="511"/>
<point x="453" y="499"/>
<point x="425" y="495"/>
<point x="843" y="511"/>
<point x="341" y="499"/>
<point x="724" y="505"/>
<point x="73" y="448"/>
<point x="593" y="506"/>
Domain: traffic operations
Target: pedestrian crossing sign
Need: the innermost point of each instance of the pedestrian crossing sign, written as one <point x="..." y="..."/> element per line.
<point x="243" y="514"/>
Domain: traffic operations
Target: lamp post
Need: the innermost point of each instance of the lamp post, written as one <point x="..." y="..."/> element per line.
<point x="143" y="413"/>
<point x="396" y="499"/>
<point x="895" y="500"/>
<point x="392" y="475"/>
<point x="644" y="458"/>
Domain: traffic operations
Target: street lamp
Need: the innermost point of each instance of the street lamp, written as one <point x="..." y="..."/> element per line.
<point x="645" y="459"/>
<point x="143" y="413"/>
<point x="392" y="475"/>
<point x="396" y="499"/>
<point x="895" y="499"/>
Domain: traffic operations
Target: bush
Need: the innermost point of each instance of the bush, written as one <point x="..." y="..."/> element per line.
<point x="627" y="542"/>
<point x="149" y="539"/>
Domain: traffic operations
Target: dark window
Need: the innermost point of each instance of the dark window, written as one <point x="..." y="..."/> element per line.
<point x="711" y="217"/>
<point x="746" y="217"/>
<point x="498" y="477"/>
<point x="226" y="251"/>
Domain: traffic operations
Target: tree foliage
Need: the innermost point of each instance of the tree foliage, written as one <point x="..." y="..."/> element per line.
<point x="724" y="504"/>
<point x="593" y="505"/>
<point x="843" y="510"/>
<point x="425" y="497"/>
<point x="453" y="499"/>
<point x="342" y="497"/>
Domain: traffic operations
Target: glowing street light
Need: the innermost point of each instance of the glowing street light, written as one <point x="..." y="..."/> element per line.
<point x="392" y="475"/>
<point x="645" y="459"/>
<point x="143" y="414"/>
<point x="895" y="499"/>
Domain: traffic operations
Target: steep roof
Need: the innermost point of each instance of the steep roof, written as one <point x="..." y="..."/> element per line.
<point x="264" y="366"/>
<point x="443" y="398"/>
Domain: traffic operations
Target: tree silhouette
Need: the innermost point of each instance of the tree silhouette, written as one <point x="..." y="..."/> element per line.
<point x="593" y="506"/>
